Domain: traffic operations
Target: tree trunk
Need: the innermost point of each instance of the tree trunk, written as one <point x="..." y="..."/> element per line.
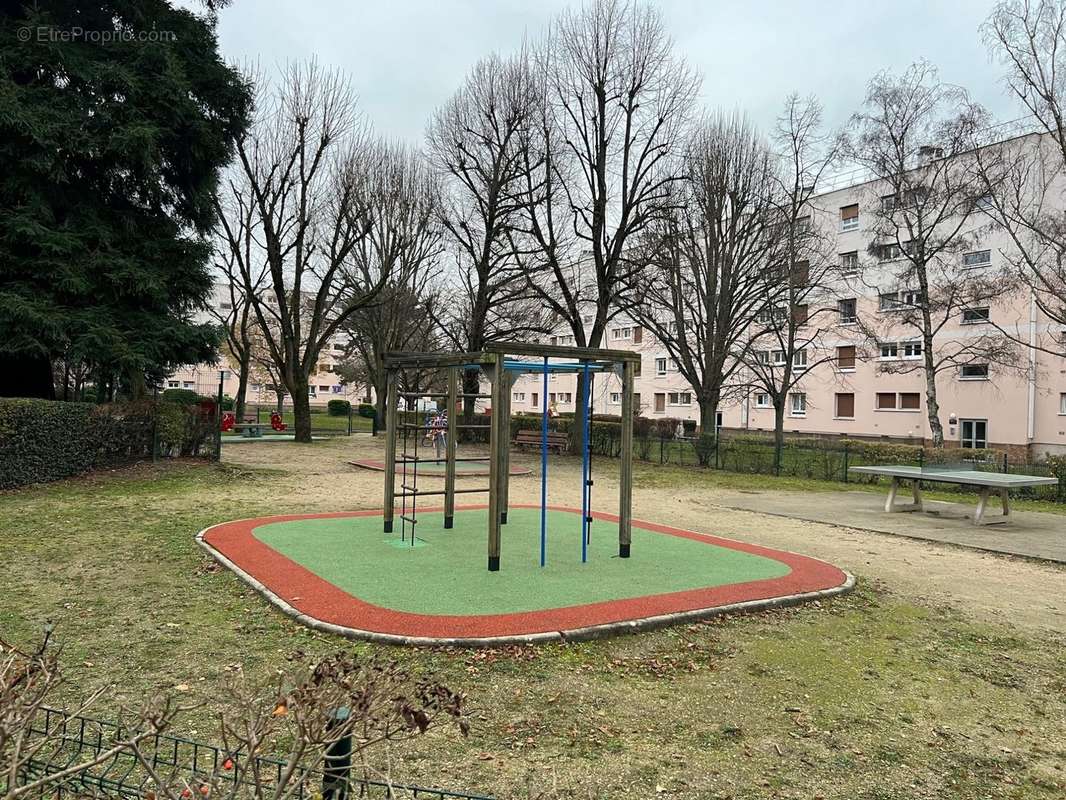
<point x="381" y="400"/>
<point x="708" y="428"/>
<point x="779" y="431"/>
<point x="301" y="411"/>
<point x="281" y="402"/>
<point x="932" y="405"/>
<point x="471" y="385"/>
<point x="240" y="400"/>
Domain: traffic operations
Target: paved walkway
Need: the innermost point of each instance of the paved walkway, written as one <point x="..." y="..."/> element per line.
<point x="1030" y="533"/>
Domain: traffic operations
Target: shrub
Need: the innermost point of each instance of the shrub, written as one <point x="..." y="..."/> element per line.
<point x="367" y="410"/>
<point x="46" y="440"/>
<point x="338" y="408"/>
<point x="666" y="427"/>
<point x="186" y="396"/>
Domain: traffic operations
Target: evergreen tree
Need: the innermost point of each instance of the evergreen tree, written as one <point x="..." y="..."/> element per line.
<point x="115" y="119"/>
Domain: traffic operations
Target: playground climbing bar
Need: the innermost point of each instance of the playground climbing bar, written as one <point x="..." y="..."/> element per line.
<point x="499" y="364"/>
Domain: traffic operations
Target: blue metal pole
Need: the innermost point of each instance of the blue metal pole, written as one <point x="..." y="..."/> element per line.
<point x="544" y="468"/>
<point x="584" y="464"/>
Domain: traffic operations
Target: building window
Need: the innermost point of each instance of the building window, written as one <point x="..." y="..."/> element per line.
<point x="799" y="359"/>
<point x="912" y="349"/>
<point x="519" y="397"/>
<point x="338" y="346"/>
<point x="845" y="405"/>
<point x="566" y="397"/>
<point x="762" y="400"/>
<point x="226" y="306"/>
<point x="679" y="398"/>
<point x="622" y="333"/>
<point x="974" y="372"/>
<point x="846" y="358"/>
<point x="779" y="358"/>
<point x="797" y="404"/>
<point x="1062" y="403"/>
<point x="173" y="384"/>
<point x="534" y="399"/>
<point x="888" y="252"/>
<point x="888" y="301"/>
<point x="616" y="398"/>
<point x="337" y="388"/>
<point x="974" y="316"/>
<point x="187" y="385"/>
<point x="909" y="401"/>
<point x="849" y="218"/>
<point x="799" y="314"/>
<point x="886" y="401"/>
<point x="889" y="203"/>
<point x="977" y="258"/>
<point x="889" y="350"/>
<point x="660" y="366"/>
<point x="849" y="263"/>
<point x="846" y="308"/>
<point x="974" y="433"/>
<point x="763" y="357"/>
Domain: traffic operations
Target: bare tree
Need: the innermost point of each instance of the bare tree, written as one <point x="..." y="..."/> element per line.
<point x="600" y="156"/>
<point x="238" y="254"/>
<point x="303" y="167"/>
<point x="474" y="143"/>
<point x="706" y="278"/>
<point x="1025" y="178"/>
<point x="405" y="241"/>
<point x="915" y="136"/>
<point x="799" y="307"/>
<point x="296" y="706"/>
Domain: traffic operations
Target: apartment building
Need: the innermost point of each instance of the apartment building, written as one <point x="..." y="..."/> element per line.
<point x="856" y="385"/>
<point x="325" y="383"/>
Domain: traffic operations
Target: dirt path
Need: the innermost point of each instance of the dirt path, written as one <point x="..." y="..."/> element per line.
<point x="985" y="586"/>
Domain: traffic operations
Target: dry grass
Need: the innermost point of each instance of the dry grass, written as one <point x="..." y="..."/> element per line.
<point x="882" y="694"/>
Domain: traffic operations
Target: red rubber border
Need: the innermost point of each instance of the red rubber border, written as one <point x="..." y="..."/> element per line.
<point x="379" y="466"/>
<point x="309" y="594"/>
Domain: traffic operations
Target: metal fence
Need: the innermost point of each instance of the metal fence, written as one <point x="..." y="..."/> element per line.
<point x="830" y="461"/>
<point x="66" y="740"/>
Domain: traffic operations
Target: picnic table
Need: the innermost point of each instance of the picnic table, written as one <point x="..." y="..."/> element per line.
<point x="985" y="482"/>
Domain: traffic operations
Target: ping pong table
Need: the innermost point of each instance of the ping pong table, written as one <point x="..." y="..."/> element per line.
<point x="985" y="482"/>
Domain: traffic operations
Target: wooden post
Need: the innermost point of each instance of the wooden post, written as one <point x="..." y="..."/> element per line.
<point x="625" y="477"/>
<point x="505" y="451"/>
<point x="499" y="383"/>
<point x="392" y="399"/>
<point x="449" y="450"/>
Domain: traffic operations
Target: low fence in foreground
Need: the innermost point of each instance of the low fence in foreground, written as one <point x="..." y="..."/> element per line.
<point x="199" y="770"/>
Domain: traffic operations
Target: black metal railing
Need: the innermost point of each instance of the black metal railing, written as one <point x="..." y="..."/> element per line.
<point x="60" y="741"/>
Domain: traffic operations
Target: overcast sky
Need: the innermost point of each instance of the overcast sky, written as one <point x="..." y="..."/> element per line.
<point x="408" y="56"/>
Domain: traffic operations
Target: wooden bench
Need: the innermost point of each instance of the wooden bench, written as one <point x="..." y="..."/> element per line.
<point x="559" y="442"/>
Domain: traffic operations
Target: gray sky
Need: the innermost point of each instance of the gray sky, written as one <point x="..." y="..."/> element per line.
<point x="407" y="57"/>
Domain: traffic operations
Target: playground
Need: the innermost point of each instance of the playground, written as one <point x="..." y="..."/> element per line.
<point x="342" y="572"/>
<point x="337" y="572"/>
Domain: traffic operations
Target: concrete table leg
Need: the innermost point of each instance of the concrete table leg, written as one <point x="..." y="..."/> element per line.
<point x="893" y="490"/>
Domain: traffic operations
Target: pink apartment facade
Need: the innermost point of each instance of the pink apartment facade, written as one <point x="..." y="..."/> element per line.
<point x="865" y="387"/>
<point x="325" y="383"/>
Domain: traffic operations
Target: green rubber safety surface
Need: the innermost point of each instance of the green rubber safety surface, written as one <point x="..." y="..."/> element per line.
<point x="447" y="575"/>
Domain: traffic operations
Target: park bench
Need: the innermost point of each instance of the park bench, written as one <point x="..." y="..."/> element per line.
<point x="559" y="442"/>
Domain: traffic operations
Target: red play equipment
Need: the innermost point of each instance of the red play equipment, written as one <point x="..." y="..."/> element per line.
<point x="229" y="419"/>
<point x="276" y="422"/>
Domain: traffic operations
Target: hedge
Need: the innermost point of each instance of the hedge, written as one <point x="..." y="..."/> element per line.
<point x="338" y="408"/>
<point x="45" y="440"/>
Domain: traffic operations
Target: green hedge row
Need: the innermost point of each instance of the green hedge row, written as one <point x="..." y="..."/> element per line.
<point x="44" y="440"/>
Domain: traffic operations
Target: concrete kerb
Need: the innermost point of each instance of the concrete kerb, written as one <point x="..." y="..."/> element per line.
<point x="573" y="635"/>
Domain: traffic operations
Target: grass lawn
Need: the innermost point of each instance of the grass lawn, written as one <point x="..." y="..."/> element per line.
<point x="876" y="695"/>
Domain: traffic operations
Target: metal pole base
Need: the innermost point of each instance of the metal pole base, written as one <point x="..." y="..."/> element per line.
<point x="388" y="526"/>
<point x="449" y="521"/>
<point x="623" y="551"/>
<point x="494" y="563"/>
